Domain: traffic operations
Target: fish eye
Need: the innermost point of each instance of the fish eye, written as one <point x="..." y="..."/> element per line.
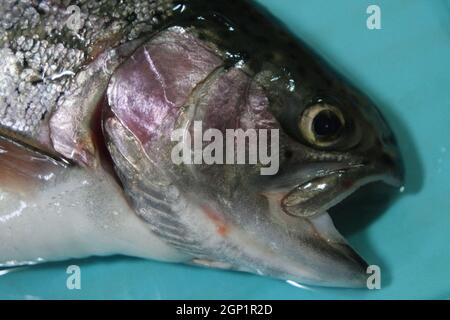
<point x="322" y="125"/>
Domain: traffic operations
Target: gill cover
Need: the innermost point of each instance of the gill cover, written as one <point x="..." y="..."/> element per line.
<point x="206" y="211"/>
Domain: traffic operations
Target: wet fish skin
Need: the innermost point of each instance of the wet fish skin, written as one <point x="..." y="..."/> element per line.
<point x="232" y="216"/>
<point x="41" y="54"/>
<point x="239" y="221"/>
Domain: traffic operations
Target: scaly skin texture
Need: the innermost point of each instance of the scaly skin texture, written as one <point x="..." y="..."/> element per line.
<point x="40" y="53"/>
<point x="115" y="87"/>
<point x="230" y="215"/>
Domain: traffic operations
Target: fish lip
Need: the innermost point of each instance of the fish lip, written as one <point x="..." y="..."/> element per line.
<point x="363" y="174"/>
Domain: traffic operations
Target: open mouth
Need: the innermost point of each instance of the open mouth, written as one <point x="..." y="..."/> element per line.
<point x="336" y="205"/>
<point x="362" y="207"/>
<point x="320" y="194"/>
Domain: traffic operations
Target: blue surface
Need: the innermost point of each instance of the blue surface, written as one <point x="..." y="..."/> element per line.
<point x="405" y="68"/>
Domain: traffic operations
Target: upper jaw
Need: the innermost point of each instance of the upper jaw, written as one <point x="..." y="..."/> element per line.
<point x="320" y="193"/>
<point x="314" y="188"/>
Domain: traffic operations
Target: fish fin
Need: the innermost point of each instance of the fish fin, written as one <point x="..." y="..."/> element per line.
<point x="22" y="169"/>
<point x="155" y="199"/>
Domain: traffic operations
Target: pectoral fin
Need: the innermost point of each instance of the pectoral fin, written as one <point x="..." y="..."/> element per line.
<point x="22" y="169"/>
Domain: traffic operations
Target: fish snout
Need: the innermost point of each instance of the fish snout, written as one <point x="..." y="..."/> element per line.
<point x="389" y="162"/>
<point x="393" y="161"/>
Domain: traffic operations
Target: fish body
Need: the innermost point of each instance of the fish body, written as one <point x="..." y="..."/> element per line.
<point x="96" y="128"/>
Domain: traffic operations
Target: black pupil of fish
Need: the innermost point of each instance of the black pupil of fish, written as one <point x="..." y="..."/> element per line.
<point x="326" y="124"/>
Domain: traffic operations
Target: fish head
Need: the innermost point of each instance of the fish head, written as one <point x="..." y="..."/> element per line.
<point x="333" y="141"/>
<point x="177" y="108"/>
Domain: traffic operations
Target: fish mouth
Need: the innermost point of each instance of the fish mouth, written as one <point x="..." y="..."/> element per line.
<point x="335" y="263"/>
<point x="319" y="194"/>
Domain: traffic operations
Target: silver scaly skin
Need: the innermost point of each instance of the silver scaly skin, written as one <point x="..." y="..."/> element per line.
<point x="41" y="54"/>
<point x="86" y="118"/>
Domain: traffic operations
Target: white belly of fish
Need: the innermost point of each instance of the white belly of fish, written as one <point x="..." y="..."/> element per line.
<point x="76" y="215"/>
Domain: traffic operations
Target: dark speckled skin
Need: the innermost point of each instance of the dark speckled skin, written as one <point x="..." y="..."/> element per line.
<point x="206" y="60"/>
<point x="212" y="65"/>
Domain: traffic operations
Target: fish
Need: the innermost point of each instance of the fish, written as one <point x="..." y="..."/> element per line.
<point x="97" y="97"/>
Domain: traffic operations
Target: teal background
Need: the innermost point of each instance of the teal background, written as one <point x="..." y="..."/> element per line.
<point x="405" y="68"/>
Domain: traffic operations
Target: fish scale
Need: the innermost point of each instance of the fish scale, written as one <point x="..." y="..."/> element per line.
<point x="110" y="94"/>
<point x="40" y="53"/>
